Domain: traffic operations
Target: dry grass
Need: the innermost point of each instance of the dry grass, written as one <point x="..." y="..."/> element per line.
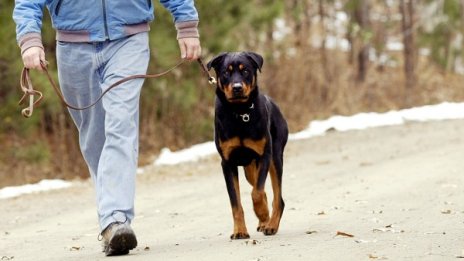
<point x="309" y="87"/>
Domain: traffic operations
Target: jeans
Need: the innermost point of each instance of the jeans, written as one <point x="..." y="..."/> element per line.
<point x="108" y="132"/>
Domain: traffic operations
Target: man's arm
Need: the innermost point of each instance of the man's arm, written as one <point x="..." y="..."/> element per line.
<point x="27" y="15"/>
<point x="186" y="21"/>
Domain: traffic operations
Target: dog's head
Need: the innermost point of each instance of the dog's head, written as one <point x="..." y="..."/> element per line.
<point x="237" y="74"/>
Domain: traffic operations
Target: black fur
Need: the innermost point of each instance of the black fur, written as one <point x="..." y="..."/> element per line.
<point x="249" y="129"/>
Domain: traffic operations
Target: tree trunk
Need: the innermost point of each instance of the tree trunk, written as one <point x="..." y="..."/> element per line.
<point x="324" y="57"/>
<point x="381" y="38"/>
<point x="407" y="24"/>
<point x="361" y="15"/>
<point x="461" y="7"/>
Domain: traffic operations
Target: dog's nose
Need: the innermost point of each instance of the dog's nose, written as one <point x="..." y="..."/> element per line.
<point x="237" y="87"/>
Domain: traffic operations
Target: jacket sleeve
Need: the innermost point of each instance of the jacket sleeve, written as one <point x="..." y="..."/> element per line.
<point x="185" y="17"/>
<point x="27" y="15"/>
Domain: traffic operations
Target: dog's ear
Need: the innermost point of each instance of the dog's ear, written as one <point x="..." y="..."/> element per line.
<point x="256" y="59"/>
<point x="216" y="61"/>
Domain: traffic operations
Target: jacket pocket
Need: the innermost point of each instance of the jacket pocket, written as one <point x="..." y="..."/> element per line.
<point x="149" y="3"/>
<point x="58" y="6"/>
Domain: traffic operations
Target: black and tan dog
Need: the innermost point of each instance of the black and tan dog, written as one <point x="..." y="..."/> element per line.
<point x="250" y="131"/>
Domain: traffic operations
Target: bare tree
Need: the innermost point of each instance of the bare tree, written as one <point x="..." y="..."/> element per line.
<point x="407" y="8"/>
<point x="323" y="50"/>
<point x="461" y="7"/>
<point x="361" y="15"/>
<point x="358" y="35"/>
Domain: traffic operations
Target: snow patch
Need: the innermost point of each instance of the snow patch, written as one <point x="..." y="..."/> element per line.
<point x="44" y="185"/>
<point x="443" y="111"/>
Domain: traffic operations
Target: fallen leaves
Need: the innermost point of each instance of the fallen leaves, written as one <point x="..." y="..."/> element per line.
<point x="252" y="242"/>
<point x="340" y="233"/>
<point x="371" y="256"/>
<point x="365" y="164"/>
<point x="322" y="162"/>
<point x="388" y="228"/>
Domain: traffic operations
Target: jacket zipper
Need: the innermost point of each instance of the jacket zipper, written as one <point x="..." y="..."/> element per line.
<point x="58" y="6"/>
<point x="105" y="22"/>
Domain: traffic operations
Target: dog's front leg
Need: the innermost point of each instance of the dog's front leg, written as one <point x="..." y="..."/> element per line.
<point x="258" y="195"/>
<point x="233" y="189"/>
<point x="278" y="204"/>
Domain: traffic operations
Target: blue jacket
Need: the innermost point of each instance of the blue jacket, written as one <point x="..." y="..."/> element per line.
<point x="98" y="20"/>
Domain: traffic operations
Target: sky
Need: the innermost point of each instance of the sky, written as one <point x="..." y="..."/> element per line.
<point x="442" y="111"/>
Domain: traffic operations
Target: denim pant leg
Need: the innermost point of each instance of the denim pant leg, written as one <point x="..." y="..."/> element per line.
<point x="119" y="157"/>
<point x="80" y="84"/>
<point x="108" y="132"/>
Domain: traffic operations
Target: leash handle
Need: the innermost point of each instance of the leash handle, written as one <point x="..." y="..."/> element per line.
<point x="28" y="90"/>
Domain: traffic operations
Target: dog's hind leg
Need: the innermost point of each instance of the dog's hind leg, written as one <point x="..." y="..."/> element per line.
<point x="258" y="195"/>
<point x="233" y="189"/>
<point x="278" y="204"/>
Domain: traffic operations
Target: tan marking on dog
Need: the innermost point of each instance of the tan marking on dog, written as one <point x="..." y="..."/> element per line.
<point x="241" y="67"/>
<point x="251" y="173"/>
<point x="228" y="91"/>
<point x="256" y="145"/>
<point x="273" y="226"/>
<point x="259" y="198"/>
<point x="247" y="89"/>
<point x="240" y="230"/>
<point x="260" y="206"/>
<point x="229" y="145"/>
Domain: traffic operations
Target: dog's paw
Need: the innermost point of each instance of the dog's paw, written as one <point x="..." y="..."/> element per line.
<point x="269" y="231"/>
<point x="240" y="235"/>
<point x="261" y="226"/>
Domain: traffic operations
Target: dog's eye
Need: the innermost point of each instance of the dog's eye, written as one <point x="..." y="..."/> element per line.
<point x="226" y="73"/>
<point x="246" y="72"/>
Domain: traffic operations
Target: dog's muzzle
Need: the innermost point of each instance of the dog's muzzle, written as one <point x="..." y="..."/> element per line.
<point x="237" y="89"/>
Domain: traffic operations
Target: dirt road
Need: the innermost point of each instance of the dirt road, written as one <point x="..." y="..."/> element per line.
<point x="398" y="190"/>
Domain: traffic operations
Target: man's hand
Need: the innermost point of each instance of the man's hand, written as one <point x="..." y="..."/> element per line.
<point x="190" y="48"/>
<point x="32" y="57"/>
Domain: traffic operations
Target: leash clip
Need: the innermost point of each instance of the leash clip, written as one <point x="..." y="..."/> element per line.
<point x="212" y="80"/>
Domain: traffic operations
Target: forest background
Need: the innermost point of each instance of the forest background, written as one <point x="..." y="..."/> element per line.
<point x="322" y="57"/>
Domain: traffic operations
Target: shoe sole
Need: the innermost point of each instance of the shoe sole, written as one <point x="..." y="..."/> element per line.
<point x="120" y="244"/>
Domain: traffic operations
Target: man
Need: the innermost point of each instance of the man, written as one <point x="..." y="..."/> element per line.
<point x="98" y="43"/>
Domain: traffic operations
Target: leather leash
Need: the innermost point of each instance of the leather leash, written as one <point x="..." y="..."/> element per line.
<point x="28" y="89"/>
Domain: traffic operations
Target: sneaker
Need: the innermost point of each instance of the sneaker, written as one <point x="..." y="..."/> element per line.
<point x="118" y="239"/>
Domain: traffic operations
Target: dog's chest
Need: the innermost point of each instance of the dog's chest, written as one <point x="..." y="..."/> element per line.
<point x="242" y="149"/>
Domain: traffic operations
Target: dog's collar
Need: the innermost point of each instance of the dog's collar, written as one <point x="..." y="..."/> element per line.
<point x="245" y="117"/>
